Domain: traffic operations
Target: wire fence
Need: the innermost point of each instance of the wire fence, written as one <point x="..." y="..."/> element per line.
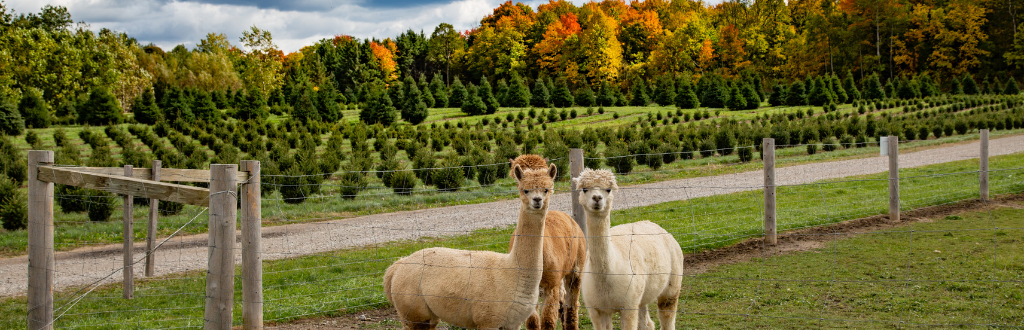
<point x="320" y="260"/>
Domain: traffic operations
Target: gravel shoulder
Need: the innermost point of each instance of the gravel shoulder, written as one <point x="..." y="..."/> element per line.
<point x="87" y="265"/>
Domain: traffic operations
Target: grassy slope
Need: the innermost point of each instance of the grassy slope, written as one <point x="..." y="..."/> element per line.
<point x="349" y="280"/>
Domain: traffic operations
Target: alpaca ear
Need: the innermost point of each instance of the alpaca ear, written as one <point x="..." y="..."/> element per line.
<point x="553" y="170"/>
<point x="517" y="172"/>
<point x="576" y="182"/>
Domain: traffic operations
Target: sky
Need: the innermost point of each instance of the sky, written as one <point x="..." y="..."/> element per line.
<point x="293" y="24"/>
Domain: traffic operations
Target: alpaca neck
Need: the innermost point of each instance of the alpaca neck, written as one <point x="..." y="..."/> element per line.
<point x="599" y="242"/>
<point x="527" y="251"/>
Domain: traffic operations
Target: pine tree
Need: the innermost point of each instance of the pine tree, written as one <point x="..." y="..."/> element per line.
<point x="459" y="94"/>
<point x="539" y="96"/>
<point x="890" y="88"/>
<point x="796" y="95"/>
<point x="736" y="99"/>
<point x="970" y="87"/>
<point x="519" y="95"/>
<point x="638" y="91"/>
<point x="34" y="110"/>
<point x="778" y="96"/>
<point x="873" y="88"/>
<point x="414" y="109"/>
<point x="905" y="90"/>
<point x="562" y="97"/>
<point x="502" y="92"/>
<point x="666" y="91"/>
<point x="585" y="96"/>
<point x="412" y="96"/>
<point x="428" y="96"/>
<point x="255" y="106"/>
<point x="986" y="86"/>
<point x="850" y="87"/>
<point x="304" y="109"/>
<point x="751" y="96"/>
<point x="997" y="86"/>
<point x="175" y="106"/>
<point x="487" y="96"/>
<point x="716" y="95"/>
<point x="11" y="122"/>
<point x="819" y="95"/>
<point x="838" y="91"/>
<point x="474" y="105"/>
<point x="204" y="107"/>
<point x="439" y="91"/>
<point x="101" y="108"/>
<point x="146" y="111"/>
<point x="686" y="98"/>
<point x="605" y="95"/>
<point x="1011" y="87"/>
<point x="378" y="109"/>
<point x="954" y="87"/>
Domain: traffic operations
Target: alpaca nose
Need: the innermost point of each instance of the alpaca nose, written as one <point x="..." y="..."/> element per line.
<point x="597" y="198"/>
<point x="537" y="200"/>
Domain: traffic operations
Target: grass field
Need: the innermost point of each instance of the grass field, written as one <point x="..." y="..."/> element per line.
<point x="349" y="280"/>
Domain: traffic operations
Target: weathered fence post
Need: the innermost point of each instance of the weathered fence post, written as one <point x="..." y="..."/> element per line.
<point x="768" y="153"/>
<point x="154" y="210"/>
<point x="128" y="235"/>
<point x="894" y="178"/>
<point x="983" y="179"/>
<point x="40" y="244"/>
<point x="575" y="168"/>
<point x="220" y="279"/>
<point x="252" y="260"/>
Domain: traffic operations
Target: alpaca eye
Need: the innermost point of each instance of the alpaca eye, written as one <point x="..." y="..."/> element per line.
<point x="545" y="191"/>
<point x="584" y="191"/>
<point x="608" y="190"/>
<point x="526" y="191"/>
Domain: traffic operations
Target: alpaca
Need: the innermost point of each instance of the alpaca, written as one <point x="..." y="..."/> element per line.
<point x="629" y="266"/>
<point x="565" y="252"/>
<point x="477" y="289"/>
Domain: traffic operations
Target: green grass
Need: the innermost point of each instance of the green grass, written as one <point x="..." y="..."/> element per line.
<point x="346" y="281"/>
<point x="957" y="270"/>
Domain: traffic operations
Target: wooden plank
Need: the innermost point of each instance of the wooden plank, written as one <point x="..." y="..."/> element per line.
<point x="575" y="168"/>
<point x="252" y="263"/>
<point x="126" y="186"/>
<point x="983" y="175"/>
<point x="166" y="175"/>
<point x="220" y="283"/>
<point x="154" y="213"/>
<point x="894" y="178"/>
<point x="128" y="238"/>
<point x="41" y="263"/>
<point x="768" y="154"/>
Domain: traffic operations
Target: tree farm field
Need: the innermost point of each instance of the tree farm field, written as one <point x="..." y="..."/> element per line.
<point x="75" y="230"/>
<point x="882" y="275"/>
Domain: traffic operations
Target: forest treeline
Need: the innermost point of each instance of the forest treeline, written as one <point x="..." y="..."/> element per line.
<point x="600" y="45"/>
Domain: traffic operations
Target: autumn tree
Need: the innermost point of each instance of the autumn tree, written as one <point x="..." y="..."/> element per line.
<point x="261" y="68"/>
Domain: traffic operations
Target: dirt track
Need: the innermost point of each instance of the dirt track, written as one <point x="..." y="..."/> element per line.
<point x="86" y="265"/>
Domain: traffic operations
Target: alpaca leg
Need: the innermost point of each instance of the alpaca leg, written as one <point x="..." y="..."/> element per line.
<point x="667" y="307"/>
<point x="601" y="321"/>
<point x="644" y="321"/>
<point x="571" y="314"/>
<point x="630" y="318"/>
<point x="552" y="301"/>
<point x="534" y="321"/>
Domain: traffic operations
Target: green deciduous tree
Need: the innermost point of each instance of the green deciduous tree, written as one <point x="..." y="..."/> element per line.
<point x="11" y="122"/>
<point x="34" y="110"/>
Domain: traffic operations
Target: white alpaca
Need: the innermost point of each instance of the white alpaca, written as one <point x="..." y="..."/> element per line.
<point x="477" y="289"/>
<point x="628" y="267"/>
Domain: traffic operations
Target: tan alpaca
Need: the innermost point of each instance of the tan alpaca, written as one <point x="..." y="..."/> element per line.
<point x="629" y="266"/>
<point x="477" y="289"/>
<point x="565" y="252"/>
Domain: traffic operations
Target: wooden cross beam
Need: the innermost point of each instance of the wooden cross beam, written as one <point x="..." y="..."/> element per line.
<point x="120" y="184"/>
<point x="166" y="174"/>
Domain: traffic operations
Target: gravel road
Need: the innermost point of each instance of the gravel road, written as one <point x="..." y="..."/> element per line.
<point x="87" y="265"/>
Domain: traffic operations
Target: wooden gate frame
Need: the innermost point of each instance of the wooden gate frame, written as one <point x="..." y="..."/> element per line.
<point x="223" y="179"/>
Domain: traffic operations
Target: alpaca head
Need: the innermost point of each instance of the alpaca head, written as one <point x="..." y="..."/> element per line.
<point x="596" y="188"/>
<point x="529" y="161"/>
<point x="535" y="186"/>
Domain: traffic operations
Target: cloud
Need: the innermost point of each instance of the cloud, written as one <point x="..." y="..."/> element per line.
<point x="294" y="24"/>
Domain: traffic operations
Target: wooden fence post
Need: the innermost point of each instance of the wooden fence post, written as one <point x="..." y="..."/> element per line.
<point x="575" y="168"/>
<point x="768" y="154"/>
<point x="894" y="178"/>
<point x="983" y="179"/>
<point x="220" y="279"/>
<point x="128" y="236"/>
<point x="252" y="259"/>
<point x="154" y="211"/>
<point x="40" y="244"/>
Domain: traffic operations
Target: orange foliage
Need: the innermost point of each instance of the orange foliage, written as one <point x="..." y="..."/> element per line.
<point x="385" y="55"/>
<point x="550" y="49"/>
<point x="706" y="55"/>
